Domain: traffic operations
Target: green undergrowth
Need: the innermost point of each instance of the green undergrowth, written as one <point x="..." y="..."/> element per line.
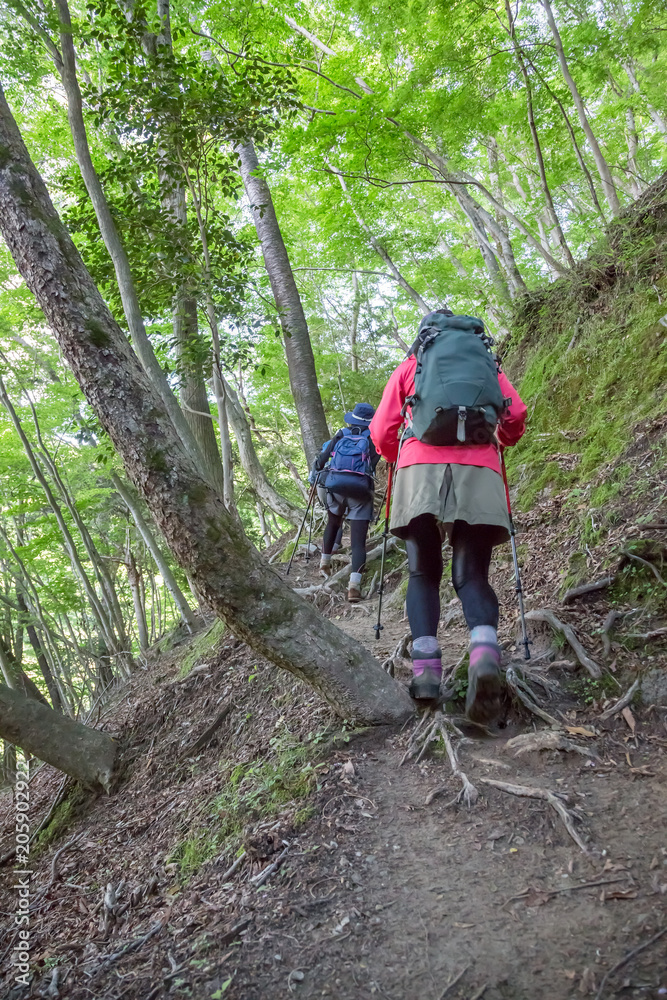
<point x="257" y="790"/>
<point x="61" y="820"/>
<point x="589" y="357"/>
<point x="201" y="646"/>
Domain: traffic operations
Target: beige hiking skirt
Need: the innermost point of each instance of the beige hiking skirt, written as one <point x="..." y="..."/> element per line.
<point x="451" y="493"/>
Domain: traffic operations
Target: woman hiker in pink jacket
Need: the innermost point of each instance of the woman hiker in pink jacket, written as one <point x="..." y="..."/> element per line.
<point x="457" y="490"/>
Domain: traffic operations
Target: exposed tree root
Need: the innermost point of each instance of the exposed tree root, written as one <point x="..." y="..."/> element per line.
<point x="400" y="653"/>
<point x="524" y="693"/>
<point x="525" y="791"/>
<point x="546" y="740"/>
<point x="619" y="705"/>
<point x="545" y="615"/>
<point x="588" y="588"/>
<point x="645" y="562"/>
<point x="432" y="725"/>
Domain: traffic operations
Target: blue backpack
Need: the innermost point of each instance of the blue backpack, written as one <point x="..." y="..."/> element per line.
<point x="352" y="453"/>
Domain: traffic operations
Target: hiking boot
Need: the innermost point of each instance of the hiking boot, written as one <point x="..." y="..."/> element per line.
<point x="354" y="588"/>
<point x="325" y="568"/>
<point x="425" y="683"/>
<point x="485" y="684"/>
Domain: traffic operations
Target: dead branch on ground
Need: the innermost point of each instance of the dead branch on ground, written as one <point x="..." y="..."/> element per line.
<point x="645" y="562"/>
<point x="209" y="732"/>
<point x="630" y="955"/>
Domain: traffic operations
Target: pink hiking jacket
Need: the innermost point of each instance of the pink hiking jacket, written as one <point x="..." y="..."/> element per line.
<point x="387" y="424"/>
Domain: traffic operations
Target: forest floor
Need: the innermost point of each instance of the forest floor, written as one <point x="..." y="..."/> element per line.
<point x="374" y="892"/>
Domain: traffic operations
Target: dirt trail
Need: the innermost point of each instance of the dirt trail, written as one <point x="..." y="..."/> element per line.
<point x="379" y="894"/>
<point x="416" y="894"/>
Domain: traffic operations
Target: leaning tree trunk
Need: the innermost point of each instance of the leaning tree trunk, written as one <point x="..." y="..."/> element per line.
<point x="603" y="167"/>
<point x="298" y="348"/>
<point x="207" y="542"/>
<point x="85" y="754"/>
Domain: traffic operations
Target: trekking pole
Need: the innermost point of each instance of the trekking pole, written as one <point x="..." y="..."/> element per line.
<point x="517" y="574"/>
<point x="379" y="626"/>
<point x="296" y="543"/>
<point x="310" y="530"/>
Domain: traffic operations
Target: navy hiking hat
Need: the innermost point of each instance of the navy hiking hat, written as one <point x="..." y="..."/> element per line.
<point x="362" y="413"/>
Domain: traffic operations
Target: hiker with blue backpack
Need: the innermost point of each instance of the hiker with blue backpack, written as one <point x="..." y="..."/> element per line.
<point x="344" y="473"/>
<point x="445" y="414"/>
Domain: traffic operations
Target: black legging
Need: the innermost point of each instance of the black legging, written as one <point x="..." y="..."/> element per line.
<point x="472" y="545"/>
<point x="358" y="532"/>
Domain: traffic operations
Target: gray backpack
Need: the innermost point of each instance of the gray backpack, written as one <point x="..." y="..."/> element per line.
<point x="457" y="397"/>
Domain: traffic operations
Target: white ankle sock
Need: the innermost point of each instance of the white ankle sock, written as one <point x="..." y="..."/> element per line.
<point x="325" y="559"/>
<point x="355" y="580"/>
<point x="484" y="633"/>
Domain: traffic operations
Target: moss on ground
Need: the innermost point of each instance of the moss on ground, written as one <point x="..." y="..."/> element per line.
<point x="252" y="791"/>
<point x="201" y="647"/>
<point x="60" y="822"/>
<point x="590" y="358"/>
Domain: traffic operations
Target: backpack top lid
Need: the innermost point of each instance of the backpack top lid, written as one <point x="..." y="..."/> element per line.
<point x="435" y="322"/>
<point x="439" y="321"/>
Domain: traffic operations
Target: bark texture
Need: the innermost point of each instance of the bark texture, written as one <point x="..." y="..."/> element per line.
<point x="204" y="539"/>
<point x="298" y="349"/>
<point x="84" y="753"/>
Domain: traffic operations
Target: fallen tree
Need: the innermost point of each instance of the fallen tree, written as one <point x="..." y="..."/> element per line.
<point x="205" y="540"/>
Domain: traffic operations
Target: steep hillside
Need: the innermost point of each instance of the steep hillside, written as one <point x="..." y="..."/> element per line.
<point x="591" y="354"/>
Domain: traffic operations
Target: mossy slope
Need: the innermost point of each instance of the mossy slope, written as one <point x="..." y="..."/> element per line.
<point x="589" y="356"/>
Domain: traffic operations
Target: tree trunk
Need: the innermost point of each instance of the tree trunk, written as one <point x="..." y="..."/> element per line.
<point x="250" y="460"/>
<point x="112" y="241"/>
<point x="42" y="662"/>
<point x="225" y="439"/>
<point x="193" y="397"/>
<point x="633" y="147"/>
<point x="298" y="348"/>
<point x="85" y="754"/>
<point x="134" y="579"/>
<point x="356" y="307"/>
<point x="575" y="145"/>
<point x="546" y="191"/>
<point x="17" y="679"/>
<point x="602" y="165"/>
<point x="205" y="539"/>
<point x="163" y="566"/>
